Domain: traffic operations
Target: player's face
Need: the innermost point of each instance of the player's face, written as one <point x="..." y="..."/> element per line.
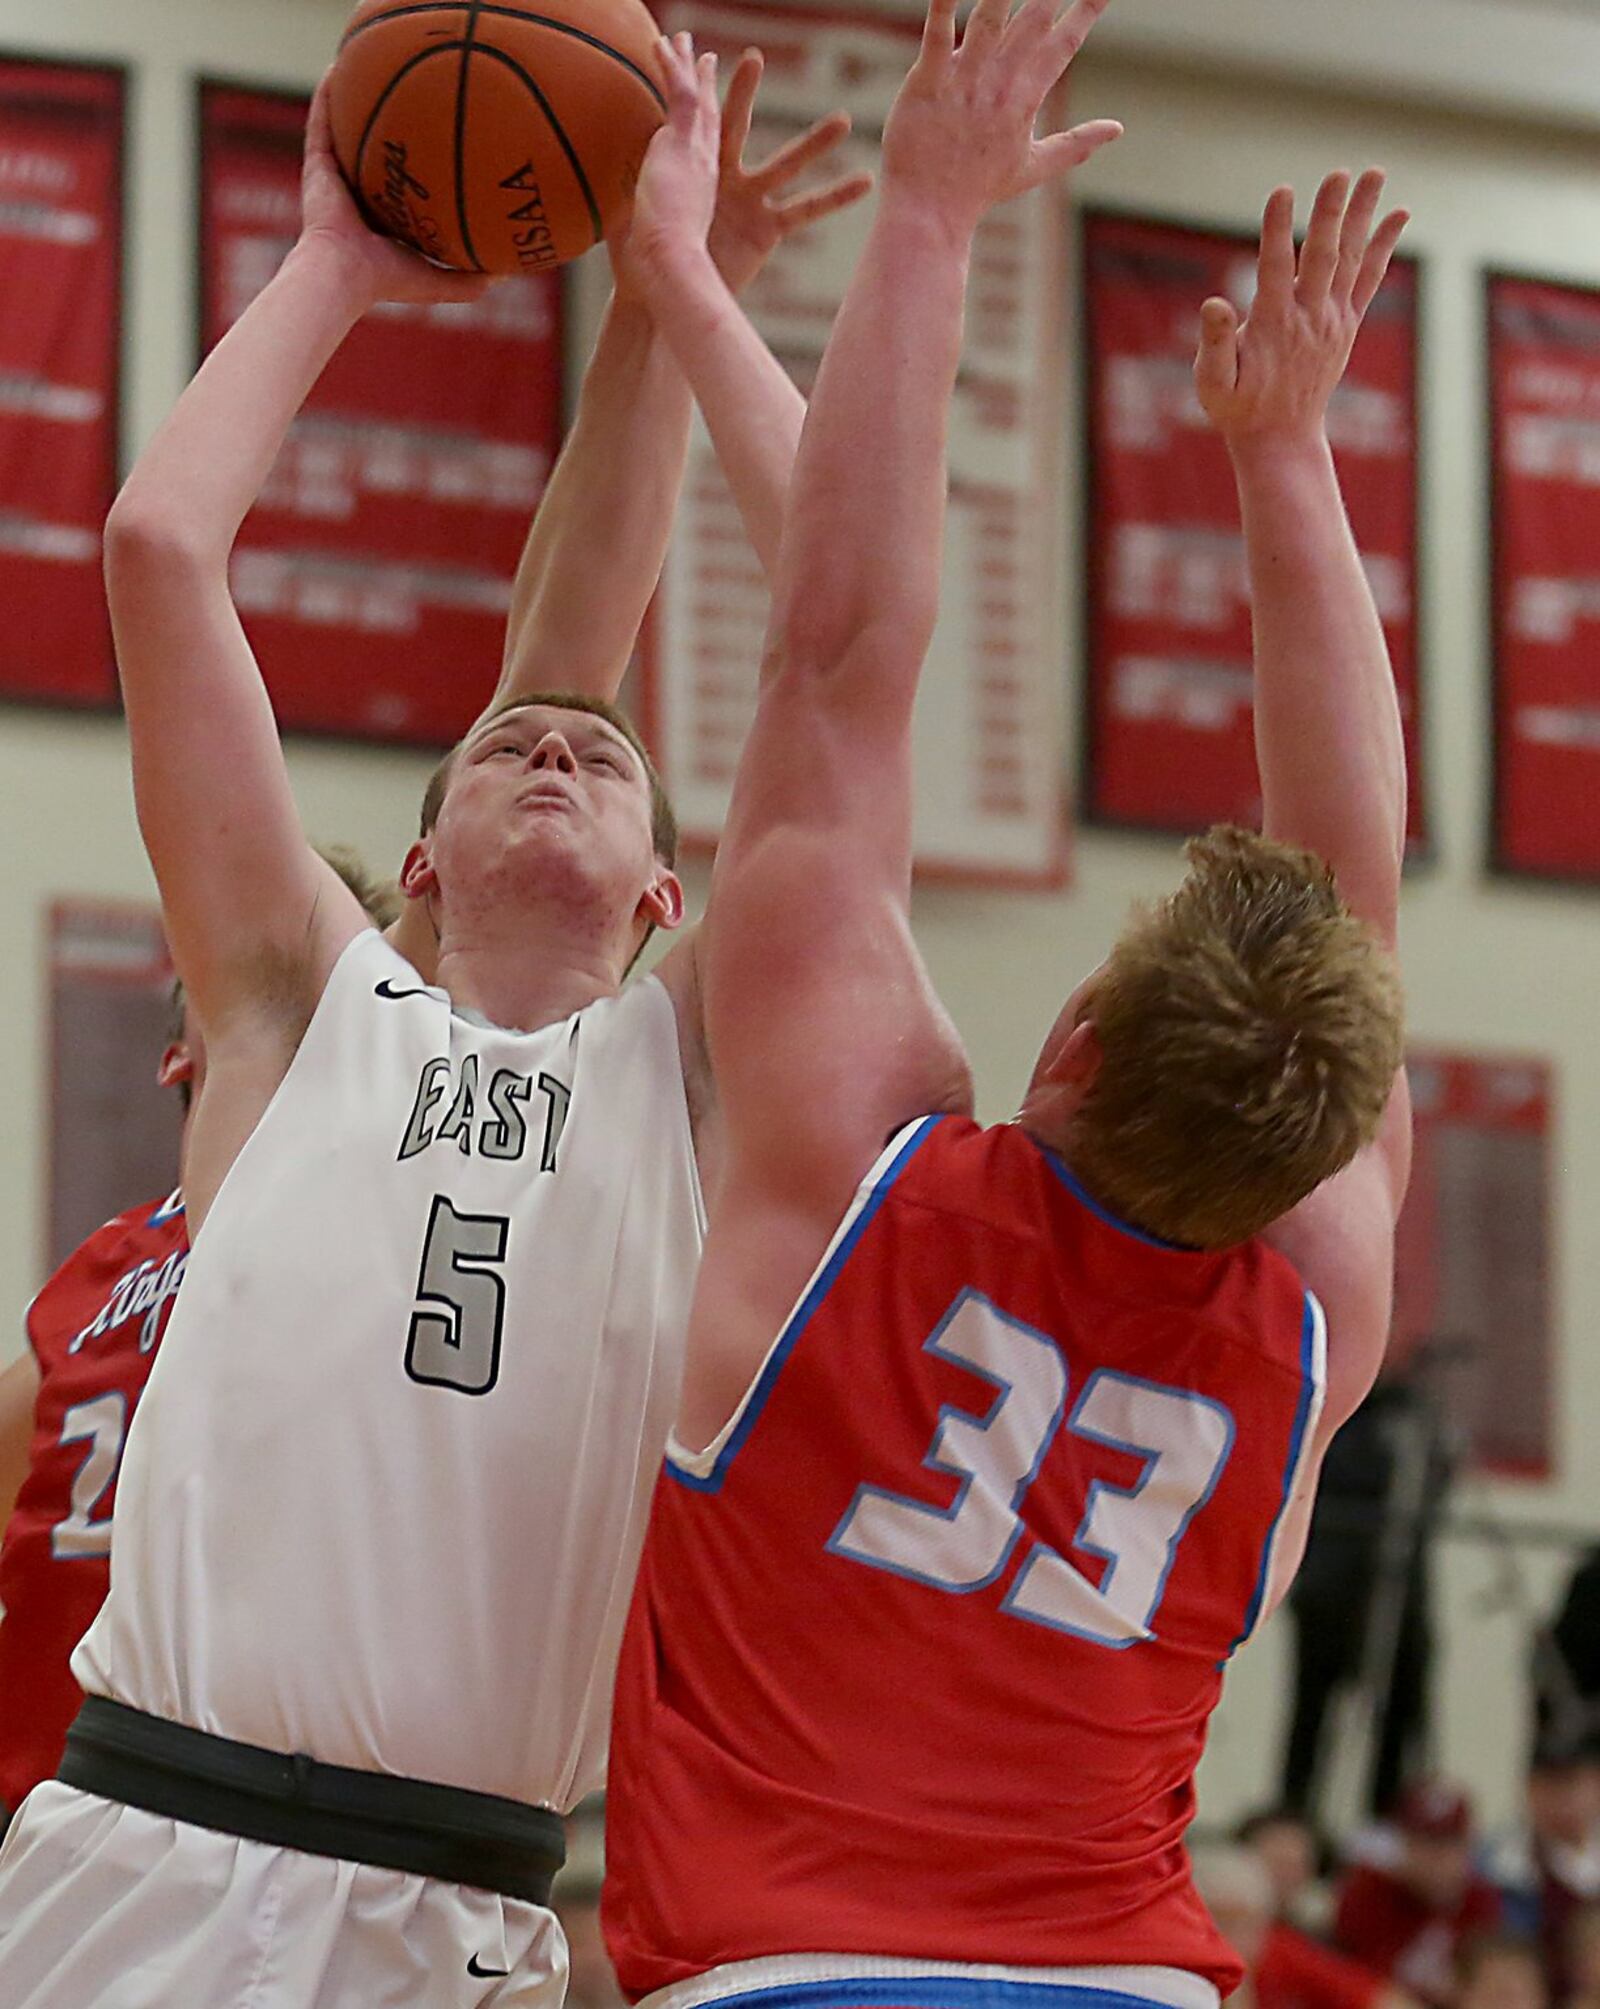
<point x="551" y="802"/>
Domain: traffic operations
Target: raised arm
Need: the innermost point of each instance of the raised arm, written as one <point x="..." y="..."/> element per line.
<point x="824" y="1032"/>
<point x="599" y="540"/>
<point x="249" y="906"/>
<point x="1328" y="740"/>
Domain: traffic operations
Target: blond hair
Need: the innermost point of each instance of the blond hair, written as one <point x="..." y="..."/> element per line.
<point x="1250" y="1030"/>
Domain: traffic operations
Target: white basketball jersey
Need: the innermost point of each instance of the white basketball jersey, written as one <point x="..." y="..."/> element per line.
<point x="386" y="1490"/>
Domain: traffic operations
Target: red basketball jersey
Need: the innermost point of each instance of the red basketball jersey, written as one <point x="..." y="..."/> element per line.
<point x="923" y="1649"/>
<point x="94" y="1330"/>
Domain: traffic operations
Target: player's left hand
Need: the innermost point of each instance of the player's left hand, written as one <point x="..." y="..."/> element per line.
<point x="380" y="268"/>
<point x="696" y="191"/>
<point x="751" y="220"/>
<point x="1273" y="375"/>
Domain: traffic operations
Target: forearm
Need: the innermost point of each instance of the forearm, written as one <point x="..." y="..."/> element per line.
<point x="863" y="544"/>
<point x="199" y="477"/>
<point x="1328" y="738"/>
<point x="210" y="786"/>
<point x="599" y="540"/>
<point x="750" y="405"/>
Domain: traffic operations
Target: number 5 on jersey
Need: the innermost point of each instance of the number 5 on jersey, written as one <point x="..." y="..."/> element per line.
<point x="460" y="1315"/>
<point x="1183" y="1439"/>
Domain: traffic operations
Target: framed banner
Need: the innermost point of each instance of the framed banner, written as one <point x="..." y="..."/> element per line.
<point x="61" y="172"/>
<point x="374" y="576"/>
<point x="1168" y="689"/>
<point x="113" y="1135"/>
<point x="1474" y="1273"/>
<point x="991" y="797"/>
<point x="1544" y="388"/>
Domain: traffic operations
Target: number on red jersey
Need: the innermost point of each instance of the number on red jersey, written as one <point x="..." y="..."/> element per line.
<point x="1183" y="1438"/>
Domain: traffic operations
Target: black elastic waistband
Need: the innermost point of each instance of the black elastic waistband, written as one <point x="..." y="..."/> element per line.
<point x="122" y="1754"/>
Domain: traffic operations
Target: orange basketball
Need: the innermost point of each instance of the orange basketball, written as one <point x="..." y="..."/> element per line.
<point x="493" y="135"/>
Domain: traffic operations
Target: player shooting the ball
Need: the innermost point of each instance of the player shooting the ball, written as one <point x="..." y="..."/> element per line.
<point x="380" y="1509"/>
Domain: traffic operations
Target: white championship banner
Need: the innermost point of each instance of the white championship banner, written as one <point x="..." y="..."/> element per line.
<point x="991" y="789"/>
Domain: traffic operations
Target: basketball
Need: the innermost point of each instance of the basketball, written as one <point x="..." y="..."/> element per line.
<point x="496" y="137"/>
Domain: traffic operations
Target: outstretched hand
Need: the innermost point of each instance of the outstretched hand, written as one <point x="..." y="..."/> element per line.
<point x="385" y="269"/>
<point x="961" y="134"/>
<point x="1275" y="373"/>
<point x="750" y="220"/>
<point x="696" y="189"/>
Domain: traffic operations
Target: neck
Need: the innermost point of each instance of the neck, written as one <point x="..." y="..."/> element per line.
<point x="1051" y="1138"/>
<point x="540" y="978"/>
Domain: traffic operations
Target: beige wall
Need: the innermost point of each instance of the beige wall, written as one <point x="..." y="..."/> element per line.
<point x="1489" y="966"/>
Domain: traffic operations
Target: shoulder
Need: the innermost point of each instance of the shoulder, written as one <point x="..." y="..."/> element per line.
<point x="124" y="1238"/>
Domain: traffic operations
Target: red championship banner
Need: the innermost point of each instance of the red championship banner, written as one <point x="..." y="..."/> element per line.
<point x="990" y="760"/>
<point x="1544" y="374"/>
<point x="375" y="574"/>
<point x="60" y="279"/>
<point x="1473" y="1267"/>
<point x="1168" y="733"/>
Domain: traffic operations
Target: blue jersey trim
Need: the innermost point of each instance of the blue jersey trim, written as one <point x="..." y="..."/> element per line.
<point x="1086" y="1199"/>
<point x="1297" y="1442"/>
<point x="802" y="1315"/>
<point x="933" y="1991"/>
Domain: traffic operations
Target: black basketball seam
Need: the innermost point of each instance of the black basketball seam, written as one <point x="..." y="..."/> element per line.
<point x="467" y="33"/>
<point x="389" y="89"/>
<point x="510" y="14"/>
<point x="560" y="132"/>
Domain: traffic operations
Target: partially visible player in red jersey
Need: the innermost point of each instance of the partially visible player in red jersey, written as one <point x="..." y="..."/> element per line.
<point x="65" y="1410"/>
<point x="65" y="1407"/>
<point x="996" y="1462"/>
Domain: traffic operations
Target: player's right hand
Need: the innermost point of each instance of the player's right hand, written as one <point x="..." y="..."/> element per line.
<point x="1273" y="376"/>
<point x="960" y="138"/>
<point x="379" y="268"/>
<point x="676" y="196"/>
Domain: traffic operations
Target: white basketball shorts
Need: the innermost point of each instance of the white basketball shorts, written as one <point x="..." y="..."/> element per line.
<point x="107" y="1907"/>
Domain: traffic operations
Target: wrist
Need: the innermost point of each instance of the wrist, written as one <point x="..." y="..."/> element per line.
<point x="683" y="291"/>
<point x="1280" y="451"/>
<point x="941" y="222"/>
<point x="339" y="267"/>
<point x="674" y="267"/>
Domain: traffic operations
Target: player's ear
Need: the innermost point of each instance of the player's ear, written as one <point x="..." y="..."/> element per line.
<point x="175" y="1067"/>
<point x="1076" y="1062"/>
<point x="662" y="904"/>
<point x="417" y="876"/>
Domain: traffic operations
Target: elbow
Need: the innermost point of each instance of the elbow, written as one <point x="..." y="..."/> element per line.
<point x="814" y="642"/>
<point x="144" y="539"/>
